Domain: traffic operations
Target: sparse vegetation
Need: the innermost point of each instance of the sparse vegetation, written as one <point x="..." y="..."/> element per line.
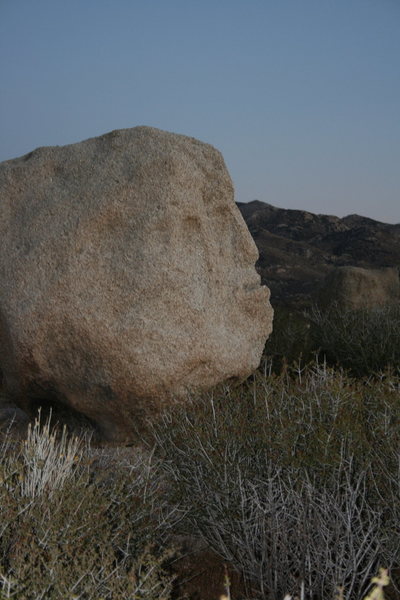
<point x="293" y="479"/>
<point x="363" y="341"/>
<point x="73" y="526"/>
<point x="290" y="340"/>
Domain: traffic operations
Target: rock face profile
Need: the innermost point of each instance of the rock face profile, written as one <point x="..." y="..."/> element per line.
<point x="354" y="288"/>
<point x="126" y="277"/>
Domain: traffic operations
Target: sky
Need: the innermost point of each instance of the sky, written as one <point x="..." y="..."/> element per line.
<point x="302" y="97"/>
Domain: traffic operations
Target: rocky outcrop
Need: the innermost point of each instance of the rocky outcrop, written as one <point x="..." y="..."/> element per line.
<point x="298" y="249"/>
<point x="353" y="288"/>
<point x="126" y="277"/>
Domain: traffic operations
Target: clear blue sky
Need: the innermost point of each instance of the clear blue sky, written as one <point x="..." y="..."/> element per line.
<point x="301" y="96"/>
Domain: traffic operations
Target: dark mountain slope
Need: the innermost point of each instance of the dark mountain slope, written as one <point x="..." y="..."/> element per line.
<point x="298" y="248"/>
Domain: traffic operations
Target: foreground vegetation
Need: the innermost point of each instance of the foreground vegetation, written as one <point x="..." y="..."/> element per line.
<point x="75" y="525"/>
<point x="293" y="479"/>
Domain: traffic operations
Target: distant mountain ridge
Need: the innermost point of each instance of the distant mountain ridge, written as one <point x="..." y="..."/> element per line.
<point x="298" y="248"/>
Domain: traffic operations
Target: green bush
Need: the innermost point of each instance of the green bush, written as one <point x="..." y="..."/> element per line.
<point x="363" y="341"/>
<point x="69" y="530"/>
<point x="291" y="479"/>
<point x="290" y="340"/>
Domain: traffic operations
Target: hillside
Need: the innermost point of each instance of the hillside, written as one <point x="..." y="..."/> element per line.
<point x="298" y="248"/>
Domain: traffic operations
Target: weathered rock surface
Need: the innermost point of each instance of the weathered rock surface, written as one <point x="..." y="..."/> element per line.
<point x="126" y="277"/>
<point x="353" y="288"/>
<point x="298" y="249"/>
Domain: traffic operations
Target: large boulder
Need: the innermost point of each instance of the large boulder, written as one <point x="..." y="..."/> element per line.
<point x="127" y="277"/>
<point x="353" y="288"/>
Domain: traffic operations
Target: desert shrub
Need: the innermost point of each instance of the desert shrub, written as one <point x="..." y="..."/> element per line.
<point x="291" y="479"/>
<point x="46" y="460"/>
<point x="69" y="530"/>
<point x="363" y="340"/>
<point x="290" y="340"/>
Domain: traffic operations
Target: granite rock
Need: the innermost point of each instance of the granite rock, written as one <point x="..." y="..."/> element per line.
<point x="127" y="278"/>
